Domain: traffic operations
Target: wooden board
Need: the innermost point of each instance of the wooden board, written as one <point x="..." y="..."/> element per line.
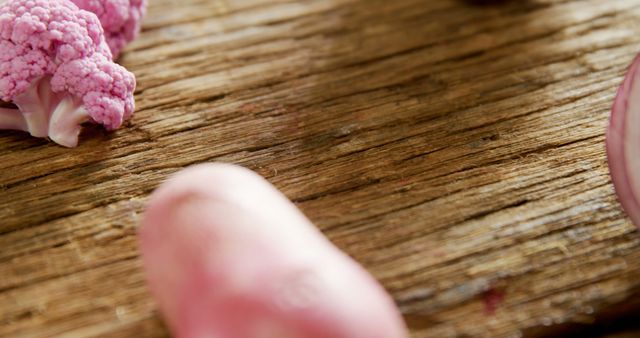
<point x="456" y="150"/>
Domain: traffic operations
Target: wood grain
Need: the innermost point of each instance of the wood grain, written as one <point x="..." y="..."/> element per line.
<point x="456" y="150"/>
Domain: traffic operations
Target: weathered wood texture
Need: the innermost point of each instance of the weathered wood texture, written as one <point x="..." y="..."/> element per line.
<point x="457" y="151"/>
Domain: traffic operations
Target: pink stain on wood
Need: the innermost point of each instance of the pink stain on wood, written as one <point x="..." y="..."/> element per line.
<point x="492" y="298"/>
<point x="250" y="108"/>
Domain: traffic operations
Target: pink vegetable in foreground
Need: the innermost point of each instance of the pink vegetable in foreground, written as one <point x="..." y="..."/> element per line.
<point x="227" y="255"/>
<point x="121" y="19"/>
<point x="623" y="143"/>
<point x="57" y="69"/>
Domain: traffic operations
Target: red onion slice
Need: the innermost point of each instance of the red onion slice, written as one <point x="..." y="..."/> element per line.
<point x="623" y="143"/>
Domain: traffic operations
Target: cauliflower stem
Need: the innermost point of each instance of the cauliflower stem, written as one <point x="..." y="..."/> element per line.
<point x="43" y="113"/>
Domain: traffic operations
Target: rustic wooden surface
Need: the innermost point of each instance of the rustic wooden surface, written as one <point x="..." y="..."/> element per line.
<point x="456" y="150"/>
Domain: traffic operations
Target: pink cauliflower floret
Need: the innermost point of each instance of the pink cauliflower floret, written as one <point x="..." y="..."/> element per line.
<point x="56" y="67"/>
<point x="121" y="19"/>
<point x="104" y="86"/>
